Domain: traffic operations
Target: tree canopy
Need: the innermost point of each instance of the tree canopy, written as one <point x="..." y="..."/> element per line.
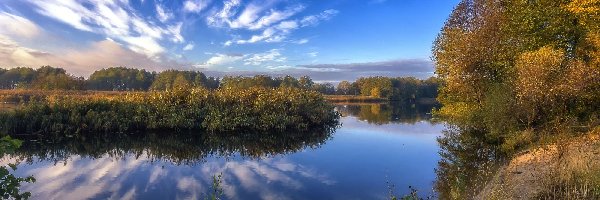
<point x="132" y="79"/>
<point x="510" y="66"/>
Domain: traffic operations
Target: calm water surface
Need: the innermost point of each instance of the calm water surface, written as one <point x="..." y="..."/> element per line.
<point x="377" y="143"/>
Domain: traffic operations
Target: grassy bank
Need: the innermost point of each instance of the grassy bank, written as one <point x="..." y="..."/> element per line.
<point x="219" y="110"/>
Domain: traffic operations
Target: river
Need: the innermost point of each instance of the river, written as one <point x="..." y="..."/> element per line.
<point x="378" y="148"/>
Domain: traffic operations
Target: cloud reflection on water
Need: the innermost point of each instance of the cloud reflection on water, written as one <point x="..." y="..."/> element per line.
<point x="129" y="178"/>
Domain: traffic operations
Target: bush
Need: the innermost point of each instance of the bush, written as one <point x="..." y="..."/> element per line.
<point x="216" y="111"/>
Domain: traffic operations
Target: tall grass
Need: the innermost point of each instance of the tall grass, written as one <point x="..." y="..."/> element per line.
<point x="222" y="110"/>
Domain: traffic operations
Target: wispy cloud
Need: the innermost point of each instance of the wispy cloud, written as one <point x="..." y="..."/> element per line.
<point x="163" y="14"/>
<point x="188" y="47"/>
<point x="272" y="25"/>
<point x="220" y="60"/>
<point x="113" y="19"/>
<point x="222" y="18"/>
<point x="195" y="6"/>
<point x="17" y="26"/>
<point x="99" y="55"/>
<point x="301" y="41"/>
<point x="252" y="17"/>
<point x="272" y="55"/>
<point x="12" y="54"/>
<point x="313" y="20"/>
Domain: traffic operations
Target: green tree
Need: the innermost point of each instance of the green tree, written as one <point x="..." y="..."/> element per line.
<point x="382" y="86"/>
<point x="120" y="79"/>
<point x="170" y="79"/>
<point x="19" y="77"/>
<point x="50" y="78"/>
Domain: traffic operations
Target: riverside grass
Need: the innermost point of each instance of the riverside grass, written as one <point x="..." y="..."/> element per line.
<point x="222" y="110"/>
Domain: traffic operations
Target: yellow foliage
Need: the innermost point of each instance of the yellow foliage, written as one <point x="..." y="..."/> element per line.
<point x="584" y="6"/>
<point x="537" y="74"/>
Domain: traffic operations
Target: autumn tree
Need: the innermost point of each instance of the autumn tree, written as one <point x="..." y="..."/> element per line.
<point x="509" y="66"/>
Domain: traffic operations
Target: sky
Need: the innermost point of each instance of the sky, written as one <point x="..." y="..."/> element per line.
<point x="329" y="40"/>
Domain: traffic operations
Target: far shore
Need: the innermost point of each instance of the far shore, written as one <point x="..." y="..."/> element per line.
<point x="370" y="99"/>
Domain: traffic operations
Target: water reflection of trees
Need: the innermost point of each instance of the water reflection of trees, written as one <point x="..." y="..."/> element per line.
<point x="180" y="148"/>
<point x="395" y="112"/>
<point x="466" y="163"/>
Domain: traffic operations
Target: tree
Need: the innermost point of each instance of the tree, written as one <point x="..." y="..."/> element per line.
<point x="120" y="79"/>
<point x="325" y="88"/>
<point x="344" y="88"/>
<point x="170" y="79"/>
<point x="289" y="81"/>
<point x="50" y="78"/>
<point x="382" y="86"/>
<point x="19" y="77"/>
<point x="305" y="82"/>
<point x="530" y="63"/>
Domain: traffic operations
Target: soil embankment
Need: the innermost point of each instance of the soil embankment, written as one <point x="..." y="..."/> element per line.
<point x="569" y="169"/>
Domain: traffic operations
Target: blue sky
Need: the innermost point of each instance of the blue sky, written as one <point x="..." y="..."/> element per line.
<point x="330" y="40"/>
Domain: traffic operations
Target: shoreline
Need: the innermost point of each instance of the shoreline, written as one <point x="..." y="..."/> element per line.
<point x="566" y="168"/>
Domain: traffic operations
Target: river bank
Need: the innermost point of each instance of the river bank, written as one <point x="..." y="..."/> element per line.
<point x="566" y="169"/>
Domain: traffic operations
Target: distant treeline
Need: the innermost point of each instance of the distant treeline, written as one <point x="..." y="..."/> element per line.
<point x="130" y="79"/>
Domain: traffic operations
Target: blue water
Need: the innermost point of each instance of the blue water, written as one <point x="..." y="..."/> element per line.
<point x="376" y="147"/>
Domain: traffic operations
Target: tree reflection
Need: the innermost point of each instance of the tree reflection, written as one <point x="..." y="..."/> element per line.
<point x="466" y="163"/>
<point x="178" y="148"/>
<point x="395" y="112"/>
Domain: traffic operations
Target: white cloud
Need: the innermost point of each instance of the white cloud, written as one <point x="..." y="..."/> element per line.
<point x="188" y="47"/>
<point x="144" y="45"/>
<point x="279" y="32"/>
<point x="301" y="41"/>
<point x="106" y="53"/>
<point x="175" y="32"/>
<point x="272" y="55"/>
<point x="18" y="26"/>
<point x="163" y="15"/>
<point x="253" y="16"/>
<point x="219" y="60"/>
<point x="266" y="35"/>
<point x="248" y="16"/>
<point x="313" y="54"/>
<point x="275" y="16"/>
<point x="276" y="33"/>
<point x="223" y="17"/>
<point x="287" y="25"/>
<point x="279" y="67"/>
<point x="195" y="5"/>
<point x="116" y="20"/>
<point x="314" y="20"/>
<point x="12" y="54"/>
<point x="67" y="11"/>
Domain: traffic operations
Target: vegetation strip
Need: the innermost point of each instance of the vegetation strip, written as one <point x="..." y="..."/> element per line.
<point x="221" y="110"/>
